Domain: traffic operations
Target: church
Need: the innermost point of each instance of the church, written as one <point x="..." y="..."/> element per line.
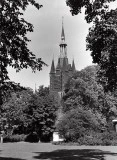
<point x="63" y="70"/>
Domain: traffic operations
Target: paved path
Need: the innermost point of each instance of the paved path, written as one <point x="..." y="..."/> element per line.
<point x="47" y="151"/>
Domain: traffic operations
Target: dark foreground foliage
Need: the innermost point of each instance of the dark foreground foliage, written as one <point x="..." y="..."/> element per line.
<point x="14" y="51"/>
<point x="102" y="37"/>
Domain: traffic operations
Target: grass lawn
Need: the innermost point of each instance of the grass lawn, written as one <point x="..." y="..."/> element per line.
<point x="47" y="151"/>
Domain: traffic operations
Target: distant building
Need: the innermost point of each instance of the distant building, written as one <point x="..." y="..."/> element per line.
<point x="63" y="70"/>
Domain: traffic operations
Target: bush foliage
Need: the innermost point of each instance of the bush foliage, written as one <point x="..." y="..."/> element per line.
<point x="14" y="138"/>
<point x="32" y="137"/>
<point x="87" y="110"/>
<point x="26" y="112"/>
<point x="78" y="123"/>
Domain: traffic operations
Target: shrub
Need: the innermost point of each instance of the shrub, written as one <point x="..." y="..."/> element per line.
<point x="14" y="138"/>
<point x="77" y="123"/>
<point x="83" y="127"/>
<point x="105" y="139"/>
<point x="32" y="137"/>
<point x="89" y="140"/>
<point x="109" y="138"/>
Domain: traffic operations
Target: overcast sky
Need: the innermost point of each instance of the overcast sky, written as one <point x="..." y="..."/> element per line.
<point x="46" y="38"/>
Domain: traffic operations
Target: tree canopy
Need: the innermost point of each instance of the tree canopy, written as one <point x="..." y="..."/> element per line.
<point x="84" y="91"/>
<point x="13" y="37"/>
<point x="93" y="8"/>
<point x="101" y="41"/>
<point x="102" y="38"/>
<point x="84" y="96"/>
<point x="26" y="112"/>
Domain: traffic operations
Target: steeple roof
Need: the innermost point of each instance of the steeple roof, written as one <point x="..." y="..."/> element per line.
<point x="52" y="67"/>
<point x="63" y="45"/>
<point x="73" y="66"/>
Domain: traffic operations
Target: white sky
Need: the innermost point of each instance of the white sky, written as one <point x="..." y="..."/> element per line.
<point x="46" y="38"/>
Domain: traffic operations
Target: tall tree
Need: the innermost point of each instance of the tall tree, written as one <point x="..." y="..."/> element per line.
<point x="31" y="112"/>
<point x="85" y="102"/>
<point x="102" y="37"/>
<point x="14" y="109"/>
<point x="83" y="90"/>
<point x="13" y="38"/>
<point x="101" y="41"/>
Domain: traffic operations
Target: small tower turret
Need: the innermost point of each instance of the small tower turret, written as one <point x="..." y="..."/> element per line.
<point x="52" y="68"/>
<point x="52" y="76"/>
<point x="73" y="66"/>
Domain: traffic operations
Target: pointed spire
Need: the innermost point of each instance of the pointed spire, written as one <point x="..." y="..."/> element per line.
<point x="52" y="67"/>
<point x="63" y="45"/>
<point x="73" y="66"/>
<point x="62" y="33"/>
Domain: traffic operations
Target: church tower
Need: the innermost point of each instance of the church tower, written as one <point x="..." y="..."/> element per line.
<point x="60" y="74"/>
